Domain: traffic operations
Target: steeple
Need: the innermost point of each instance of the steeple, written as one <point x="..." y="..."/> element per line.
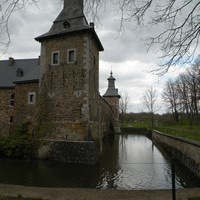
<point x="71" y="9"/>
<point x="112" y="97"/>
<point x="111" y="91"/>
<point x="70" y="20"/>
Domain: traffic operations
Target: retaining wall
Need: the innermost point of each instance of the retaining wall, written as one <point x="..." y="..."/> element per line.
<point x="133" y="130"/>
<point x="185" y="150"/>
<point x="80" y="152"/>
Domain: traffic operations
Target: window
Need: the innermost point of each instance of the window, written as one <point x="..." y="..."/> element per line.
<point x="31" y="97"/>
<point x="71" y="56"/>
<point x="19" y="72"/>
<point x="94" y="59"/>
<point x="55" y="58"/>
<point x="66" y="24"/>
<point x="12" y="97"/>
<point x="11" y="119"/>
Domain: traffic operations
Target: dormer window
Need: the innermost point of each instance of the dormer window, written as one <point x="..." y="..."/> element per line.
<point x="66" y="24"/>
<point x="55" y="58"/>
<point x="19" y="72"/>
<point x="71" y="56"/>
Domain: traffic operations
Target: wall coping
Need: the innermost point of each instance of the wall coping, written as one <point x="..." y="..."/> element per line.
<point x="189" y="141"/>
<point x="70" y="141"/>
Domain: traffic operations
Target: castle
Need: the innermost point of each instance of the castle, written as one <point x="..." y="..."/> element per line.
<point x="57" y="94"/>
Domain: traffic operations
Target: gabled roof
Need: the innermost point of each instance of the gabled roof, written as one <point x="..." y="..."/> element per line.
<point x="29" y="69"/>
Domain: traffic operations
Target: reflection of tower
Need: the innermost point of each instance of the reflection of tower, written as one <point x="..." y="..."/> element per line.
<point x="112" y="97"/>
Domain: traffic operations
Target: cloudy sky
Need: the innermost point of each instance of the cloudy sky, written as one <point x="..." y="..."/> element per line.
<point x="125" y="54"/>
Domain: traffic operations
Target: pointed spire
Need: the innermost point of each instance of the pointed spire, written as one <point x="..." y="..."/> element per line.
<point x="72" y="9"/>
<point x="111" y="91"/>
<point x="111" y="80"/>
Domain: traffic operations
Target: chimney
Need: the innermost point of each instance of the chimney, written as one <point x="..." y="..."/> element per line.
<point x="11" y="61"/>
<point x="38" y="60"/>
<point x="92" y="24"/>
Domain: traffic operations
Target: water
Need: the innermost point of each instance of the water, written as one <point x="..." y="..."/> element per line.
<point x="129" y="162"/>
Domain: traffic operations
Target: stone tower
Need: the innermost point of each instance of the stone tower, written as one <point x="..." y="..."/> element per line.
<point x="69" y="80"/>
<point x="112" y="97"/>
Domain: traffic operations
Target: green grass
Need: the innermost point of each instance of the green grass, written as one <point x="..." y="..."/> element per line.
<point x="192" y="133"/>
<point x="185" y="131"/>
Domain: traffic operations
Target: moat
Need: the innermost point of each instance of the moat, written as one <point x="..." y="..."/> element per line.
<point x="128" y="162"/>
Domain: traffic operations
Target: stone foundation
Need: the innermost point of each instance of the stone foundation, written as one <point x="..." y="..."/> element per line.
<point x="185" y="150"/>
<point x="79" y="152"/>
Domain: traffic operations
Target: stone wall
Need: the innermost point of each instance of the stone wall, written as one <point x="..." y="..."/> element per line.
<point x="134" y="130"/>
<point x="69" y="91"/>
<point x="24" y="111"/>
<point x="69" y="106"/>
<point x="105" y="121"/>
<point x="114" y="102"/>
<point x="6" y="109"/>
<point x="85" y="151"/>
<point x="186" y="151"/>
<point x="82" y="152"/>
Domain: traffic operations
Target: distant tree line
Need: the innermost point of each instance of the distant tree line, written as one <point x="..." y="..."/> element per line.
<point x="182" y="95"/>
<point x="146" y="118"/>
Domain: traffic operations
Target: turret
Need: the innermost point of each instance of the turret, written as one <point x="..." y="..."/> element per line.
<point x="69" y="82"/>
<point x="112" y="97"/>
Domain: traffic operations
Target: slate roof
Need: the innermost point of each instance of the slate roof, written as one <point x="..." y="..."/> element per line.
<point x="111" y="91"/>
<point x="71" y="20"/>
<point x="8" y="73"/>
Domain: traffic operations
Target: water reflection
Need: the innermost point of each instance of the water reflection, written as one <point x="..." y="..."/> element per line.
<point x="135" y="164"/>
<point x="128" y="162"/>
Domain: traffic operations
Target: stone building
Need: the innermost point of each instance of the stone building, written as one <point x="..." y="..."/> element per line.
<point x="58" y="94"/>
<point x="18" y="90"/>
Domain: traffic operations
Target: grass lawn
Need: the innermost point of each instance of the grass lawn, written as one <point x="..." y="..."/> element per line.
<point x="185" y="131"/>
<point x="192" y="133"/>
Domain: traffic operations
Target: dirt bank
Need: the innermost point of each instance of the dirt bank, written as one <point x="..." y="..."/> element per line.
<point x="94" y="194"/>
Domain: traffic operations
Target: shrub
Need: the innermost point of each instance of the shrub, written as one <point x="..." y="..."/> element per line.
<point x="19" y="144"/>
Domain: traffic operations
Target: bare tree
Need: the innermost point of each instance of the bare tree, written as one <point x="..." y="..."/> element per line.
<point x="7" y="8"/>
<point x="178" y="36"/>
<point x="170" y="95"/>
<point x="123" y="104"/>
<point x="149" y="100"/>
<point x="176" y="23"/>
<point x="180" y="32"/>
<point x="183" y="94"/>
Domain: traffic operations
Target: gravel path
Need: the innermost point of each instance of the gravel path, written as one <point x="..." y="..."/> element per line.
<point x="94" y="194"/>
